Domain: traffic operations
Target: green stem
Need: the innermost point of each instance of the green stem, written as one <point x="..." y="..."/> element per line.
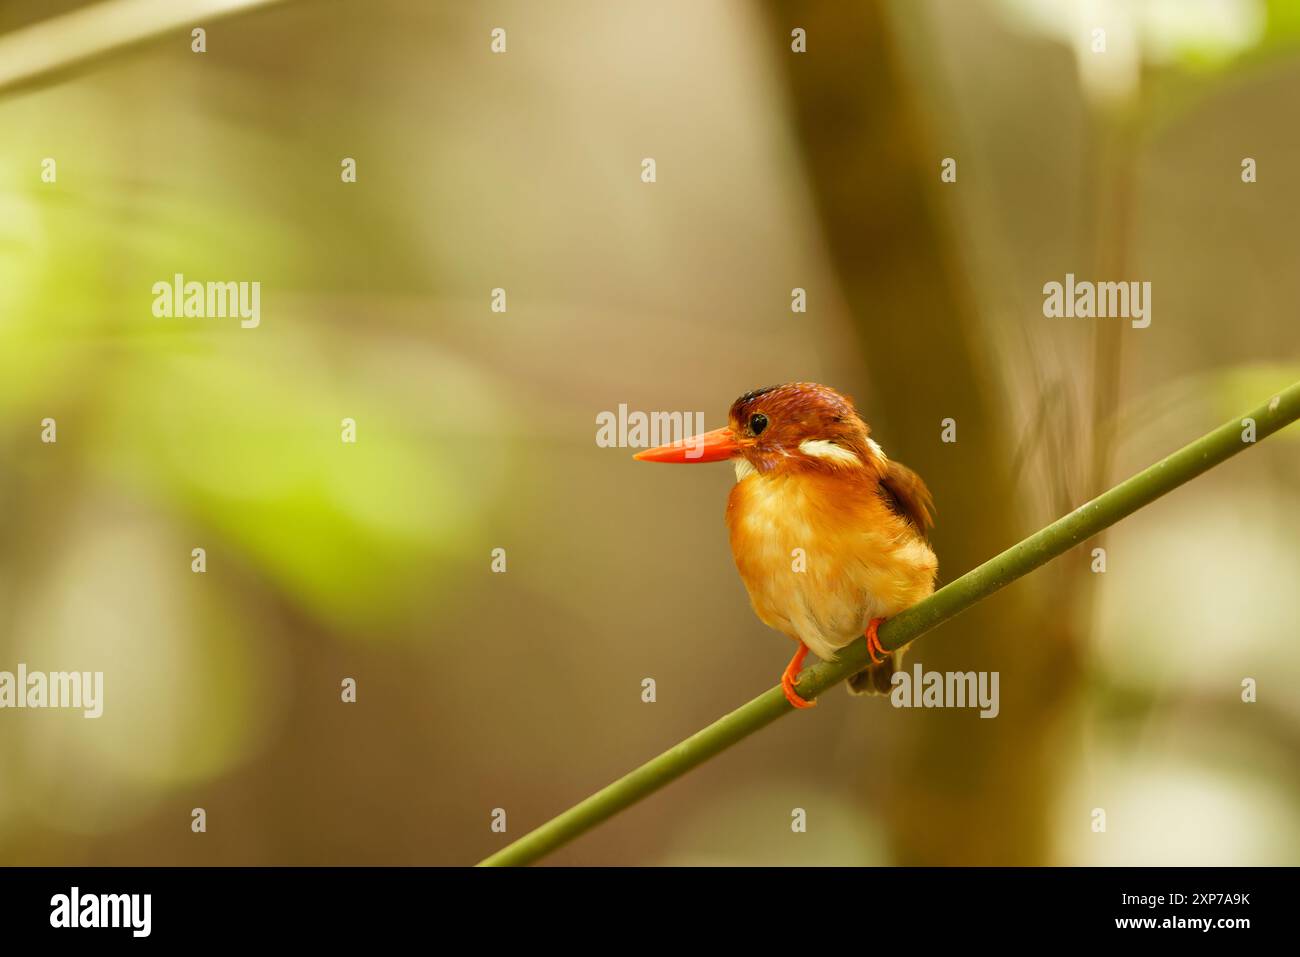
<point x="1020" y="559"/>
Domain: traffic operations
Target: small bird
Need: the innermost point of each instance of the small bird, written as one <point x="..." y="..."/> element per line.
<point x="828" y="533"/>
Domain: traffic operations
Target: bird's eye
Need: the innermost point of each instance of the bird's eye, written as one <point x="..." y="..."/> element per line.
<point x="757" y="423"/>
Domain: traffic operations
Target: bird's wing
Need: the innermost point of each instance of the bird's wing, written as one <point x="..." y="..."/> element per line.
<point x="907" y="495"/>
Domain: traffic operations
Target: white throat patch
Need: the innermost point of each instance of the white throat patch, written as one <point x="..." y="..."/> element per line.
<point x="743" y="469"/>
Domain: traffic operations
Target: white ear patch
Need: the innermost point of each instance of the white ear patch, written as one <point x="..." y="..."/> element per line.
<point x="880" y="453"/>
<point x="828" y="450"/>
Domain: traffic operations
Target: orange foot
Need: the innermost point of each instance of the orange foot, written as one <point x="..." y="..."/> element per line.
<point x="873" y="642"/>
<point x="788" y="679"/>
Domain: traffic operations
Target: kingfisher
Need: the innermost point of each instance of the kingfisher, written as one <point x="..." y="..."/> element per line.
<point x="829" y="534"/>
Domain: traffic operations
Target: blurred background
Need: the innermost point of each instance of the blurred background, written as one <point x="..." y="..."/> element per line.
<point x="476" y="429"/>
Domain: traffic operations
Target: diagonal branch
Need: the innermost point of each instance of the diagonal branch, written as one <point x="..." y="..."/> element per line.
<point x="62" y="42"/>
<point x="1018" y="560"/>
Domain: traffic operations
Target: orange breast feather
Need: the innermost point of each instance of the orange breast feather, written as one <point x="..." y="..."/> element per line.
<point x="821" y="554"/>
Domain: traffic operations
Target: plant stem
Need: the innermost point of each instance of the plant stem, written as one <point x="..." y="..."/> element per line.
<point x="62" y="41"/>
<point x="1018" y="560"/>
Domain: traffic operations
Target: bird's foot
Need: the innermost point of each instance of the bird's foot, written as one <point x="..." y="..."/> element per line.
<point x="792" y="696"/>
<point x="874" y="646"/>
<point x="788" y="679"/>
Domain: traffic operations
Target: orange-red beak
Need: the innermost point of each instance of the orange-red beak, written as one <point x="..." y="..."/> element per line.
<point x="716" y="446"/>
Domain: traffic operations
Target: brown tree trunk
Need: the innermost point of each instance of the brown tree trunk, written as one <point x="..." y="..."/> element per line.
<point x="961" y="790"/>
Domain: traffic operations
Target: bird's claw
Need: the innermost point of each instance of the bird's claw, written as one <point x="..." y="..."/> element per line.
<point x="792" y="696"/>
<point x="873" y="643"/>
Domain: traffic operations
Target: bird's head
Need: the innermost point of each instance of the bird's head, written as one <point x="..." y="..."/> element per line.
<point x="783" y="428"/>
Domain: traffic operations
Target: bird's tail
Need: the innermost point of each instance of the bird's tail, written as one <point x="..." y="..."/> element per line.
<point x="877" y="679"/>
